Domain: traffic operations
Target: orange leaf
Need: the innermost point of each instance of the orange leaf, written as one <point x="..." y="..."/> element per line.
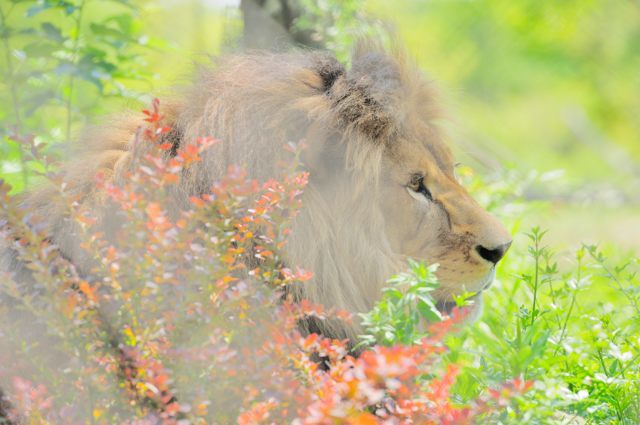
<point x="70" y="305"/>
<point x="363" y="419"/>
<point x="86" y="289"/>
<point x="199" y="203"/>
<point x="169" y="178"/>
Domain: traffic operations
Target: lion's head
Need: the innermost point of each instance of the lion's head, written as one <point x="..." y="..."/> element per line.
<point x="382" y="185"/>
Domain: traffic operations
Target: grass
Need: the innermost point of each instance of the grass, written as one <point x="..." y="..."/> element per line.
<point x="572" y="333"/>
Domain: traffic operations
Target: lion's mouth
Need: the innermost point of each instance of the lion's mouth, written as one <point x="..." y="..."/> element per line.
<point x="446" y="307"/>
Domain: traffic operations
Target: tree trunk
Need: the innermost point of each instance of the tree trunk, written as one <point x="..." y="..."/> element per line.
<point x="270" y="24"/>
<point x="261" y="30"/>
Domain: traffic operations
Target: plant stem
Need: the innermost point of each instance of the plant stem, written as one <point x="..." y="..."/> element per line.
<point x="573" y="303"/>
<point x="602" y="363"/>
<point x="15" y="99"/>
<point x="74" y="59"/>
<point x="630" y="296"/>
<point x="554" y="301"/>
<point x="631" y="363"/>
<point x="535" y="280"/>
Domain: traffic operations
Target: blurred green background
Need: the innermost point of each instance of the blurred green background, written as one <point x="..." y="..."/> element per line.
<point x="544" y="95"/>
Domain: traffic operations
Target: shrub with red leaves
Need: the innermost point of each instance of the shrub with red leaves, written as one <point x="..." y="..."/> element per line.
<point x="180" y="318"/>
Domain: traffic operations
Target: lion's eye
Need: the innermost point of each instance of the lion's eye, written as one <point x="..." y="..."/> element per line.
<point x="417" y="186"/>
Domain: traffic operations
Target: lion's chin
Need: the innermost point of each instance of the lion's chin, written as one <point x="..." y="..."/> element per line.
<point x="472" y="311"/>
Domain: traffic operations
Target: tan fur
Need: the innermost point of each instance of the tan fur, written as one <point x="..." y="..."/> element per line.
<point x="369" y="129"/>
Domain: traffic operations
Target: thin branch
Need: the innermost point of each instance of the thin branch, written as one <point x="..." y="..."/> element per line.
<point x="74" y="59"/>
<point x="15" y="99"/>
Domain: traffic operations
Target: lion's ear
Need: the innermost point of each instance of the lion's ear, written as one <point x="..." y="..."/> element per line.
<point x="329" y="70"/>
<point x="364" y="99"/>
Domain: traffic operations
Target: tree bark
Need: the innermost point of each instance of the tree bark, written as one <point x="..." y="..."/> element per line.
<point x="270" y="24"/>
<point x="261" y="30"/>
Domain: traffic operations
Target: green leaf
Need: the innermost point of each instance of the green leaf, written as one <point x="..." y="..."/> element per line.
<point x="394" y="293"/>
<point x="34" y="10"/>
<point x="105" y="31"/>
<point x="68" y="7"/>
<point x="26" y="31"/>
<point x="124" y="21"/>
<point x="54" y="33"/>
<point x="428" y="310"/>
<point x="40" y="49"/>
<point x="405" y="303"/>
<point x="66" y="68"/>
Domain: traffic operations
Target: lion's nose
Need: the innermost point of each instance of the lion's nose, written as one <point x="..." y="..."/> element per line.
<point x="493" y="254"/>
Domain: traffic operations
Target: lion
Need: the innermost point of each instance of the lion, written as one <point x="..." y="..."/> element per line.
<point x="382" y="186"/>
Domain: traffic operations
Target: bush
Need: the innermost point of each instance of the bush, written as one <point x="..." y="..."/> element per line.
<point x="180" y="317"/>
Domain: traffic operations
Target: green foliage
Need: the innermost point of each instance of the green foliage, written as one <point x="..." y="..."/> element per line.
<point x="580" y="349"/>
<point x="406" y="305"/>
<point x="585" y="335"/>
<point x="60" y="60"/>
<point x="335" y="24"/>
